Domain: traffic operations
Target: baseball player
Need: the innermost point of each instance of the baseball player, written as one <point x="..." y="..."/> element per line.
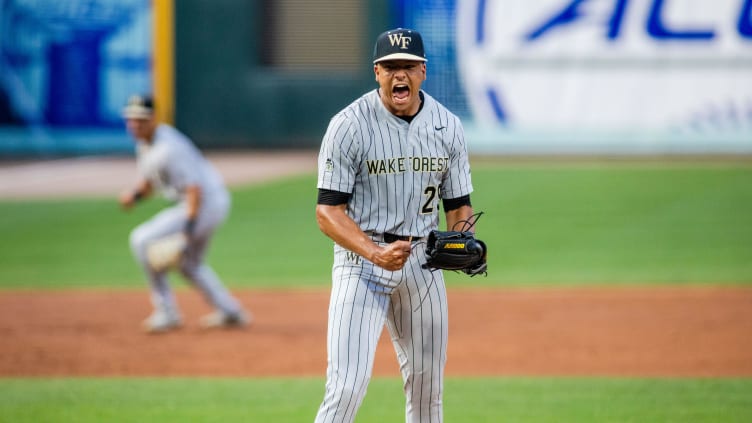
<point x="385" y="163"/>
<point x="167" y="161"/>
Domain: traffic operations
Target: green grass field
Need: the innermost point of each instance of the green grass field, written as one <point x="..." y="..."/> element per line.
<point x="545" y="224"/>
<point x="296" y="400"/>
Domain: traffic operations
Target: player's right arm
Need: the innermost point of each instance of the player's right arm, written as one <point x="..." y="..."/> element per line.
<point x="338" y="158"/>
<point x="129" y="197"/>
<point x="337" y="225"/>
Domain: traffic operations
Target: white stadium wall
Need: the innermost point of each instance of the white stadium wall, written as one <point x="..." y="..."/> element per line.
<point x="599" y="76"/>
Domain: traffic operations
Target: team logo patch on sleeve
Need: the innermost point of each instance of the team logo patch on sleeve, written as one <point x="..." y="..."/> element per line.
<point x="329" y="166"/>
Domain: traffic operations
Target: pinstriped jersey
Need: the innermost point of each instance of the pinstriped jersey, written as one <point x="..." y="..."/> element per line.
<point x="397" y="172"/>
<point x="172" y="162"/>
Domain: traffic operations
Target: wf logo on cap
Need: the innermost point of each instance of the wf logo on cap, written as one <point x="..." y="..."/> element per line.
<point x="399" y="44"/>
<point x="400" y="40"/>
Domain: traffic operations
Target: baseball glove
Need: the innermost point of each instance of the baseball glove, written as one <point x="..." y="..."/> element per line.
<point x="455" y="250"/>
<point x="165" y="253"/>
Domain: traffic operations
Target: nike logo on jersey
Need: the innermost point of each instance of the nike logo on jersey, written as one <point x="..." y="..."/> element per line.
<point x="439" y="128"/>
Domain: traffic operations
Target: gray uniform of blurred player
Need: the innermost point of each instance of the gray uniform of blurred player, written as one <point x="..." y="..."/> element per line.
<point x="168" y="162"/>
<point x="385" y="163"/>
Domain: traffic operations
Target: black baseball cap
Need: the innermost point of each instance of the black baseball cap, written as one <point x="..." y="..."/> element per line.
<point x="139" y="107"/>
<point x="399" y="44"/>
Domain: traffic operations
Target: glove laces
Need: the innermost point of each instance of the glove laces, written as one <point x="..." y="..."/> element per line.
<point x="466" y="225"/>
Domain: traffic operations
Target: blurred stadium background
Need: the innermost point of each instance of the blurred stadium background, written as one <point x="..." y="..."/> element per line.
<point x="665" y="81"/>
<point x="550" y="76"/>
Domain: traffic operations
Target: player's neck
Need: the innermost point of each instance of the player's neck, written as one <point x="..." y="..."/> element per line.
<point x="151" y="135"/>
<point x="409" y="118"/>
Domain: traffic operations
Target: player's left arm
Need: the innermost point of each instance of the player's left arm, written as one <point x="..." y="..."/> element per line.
<point x="455" y="217"/>
<point x="193" y="205"/>
<point x="177" y="165"/>
<point x="456" y="185"/>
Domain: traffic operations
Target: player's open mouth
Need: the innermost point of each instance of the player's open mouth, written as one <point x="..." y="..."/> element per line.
<point x="400" y="92"/>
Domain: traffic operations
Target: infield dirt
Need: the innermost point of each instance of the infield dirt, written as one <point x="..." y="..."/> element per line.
<point x="666" y="332"/>
<point x="690" y="331"/>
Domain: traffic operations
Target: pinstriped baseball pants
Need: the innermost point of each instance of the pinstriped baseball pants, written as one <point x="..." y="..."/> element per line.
<point x="193" y="266"/>
<point x="412" y="303"/>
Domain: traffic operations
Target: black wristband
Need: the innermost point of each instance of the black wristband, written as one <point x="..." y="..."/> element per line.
<point x="190" y="224"/>
<point x="137" y="196"/>
<point x="332" y="198"/>
<point x="455" y="203"/>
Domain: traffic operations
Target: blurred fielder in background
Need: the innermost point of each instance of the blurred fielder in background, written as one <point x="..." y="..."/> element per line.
<point x="177" y="237"/>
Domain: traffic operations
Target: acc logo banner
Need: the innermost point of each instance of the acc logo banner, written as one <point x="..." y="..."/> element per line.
<point x="651" y="66"/>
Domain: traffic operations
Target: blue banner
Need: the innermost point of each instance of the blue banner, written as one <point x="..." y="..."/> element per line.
<point x="435" y="20"/>
<point x="66" y="69"/>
